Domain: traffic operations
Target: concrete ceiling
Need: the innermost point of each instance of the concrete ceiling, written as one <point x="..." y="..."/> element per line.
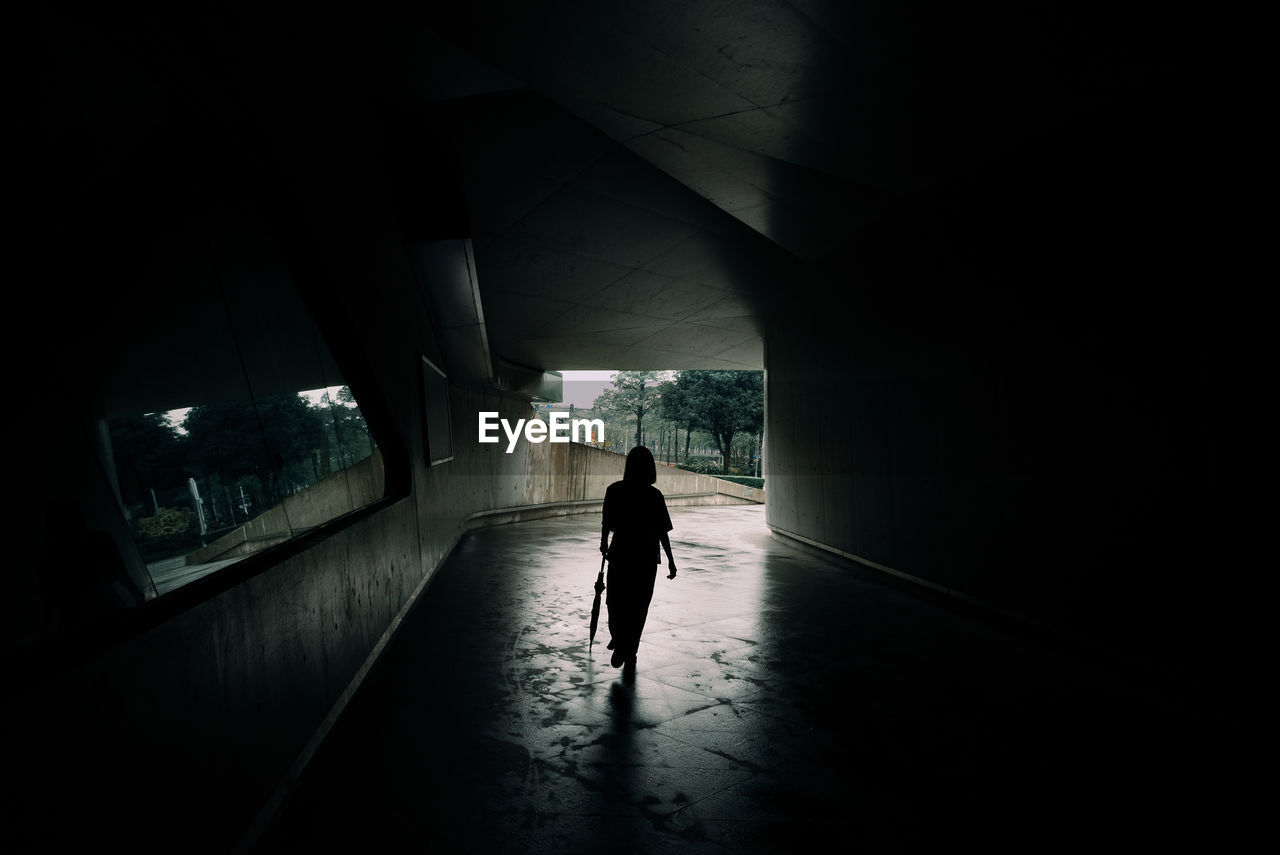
<point x="589" y="257"/>
<point x="643" y="182"/>
<point x="657" y="175"/>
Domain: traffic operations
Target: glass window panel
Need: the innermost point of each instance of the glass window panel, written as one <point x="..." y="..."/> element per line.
<point x="270" y="444"/>
<point x="438" y="430"/>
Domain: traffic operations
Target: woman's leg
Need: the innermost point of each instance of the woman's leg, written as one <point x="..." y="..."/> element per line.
<point x="620" y="597"/>
<point x="644" y="596"/>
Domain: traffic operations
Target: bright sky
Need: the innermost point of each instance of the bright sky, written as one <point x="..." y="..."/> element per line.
<point x="582" y="387"/>
<point x="175" y="417"/>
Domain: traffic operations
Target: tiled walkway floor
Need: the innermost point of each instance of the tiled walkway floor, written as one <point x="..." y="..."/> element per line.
<point x="783" y="702"/>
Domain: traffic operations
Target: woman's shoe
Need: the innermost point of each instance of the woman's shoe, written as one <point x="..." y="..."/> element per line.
<point x="618" y="658"/>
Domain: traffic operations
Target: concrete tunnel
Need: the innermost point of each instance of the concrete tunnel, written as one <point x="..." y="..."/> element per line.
<point x="960" y="244"/>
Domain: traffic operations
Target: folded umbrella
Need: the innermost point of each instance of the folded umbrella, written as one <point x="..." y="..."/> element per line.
<point x="595" y="606"/>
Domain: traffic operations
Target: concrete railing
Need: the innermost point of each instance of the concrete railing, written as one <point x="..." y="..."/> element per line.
<point x="336" y="494"/>
<point x="571" y="478"/>
<point x="561" y="479"/>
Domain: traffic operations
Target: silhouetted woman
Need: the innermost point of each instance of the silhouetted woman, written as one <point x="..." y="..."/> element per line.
<point x="636" y="513"/>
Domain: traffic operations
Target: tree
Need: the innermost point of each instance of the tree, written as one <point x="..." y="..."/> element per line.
<point x="634" y="393"/>
<point x="149" y="454"/>
<point x="722" y="403"/>
<point x="677" y="409"/>
<point x="351" y="434"/>
<point x="261" y="438"/>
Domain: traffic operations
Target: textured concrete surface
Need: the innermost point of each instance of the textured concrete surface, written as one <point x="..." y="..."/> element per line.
<point x="782" y="700"/>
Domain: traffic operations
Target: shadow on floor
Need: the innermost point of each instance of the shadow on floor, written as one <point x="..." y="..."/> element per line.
<point x="782" y="701"/>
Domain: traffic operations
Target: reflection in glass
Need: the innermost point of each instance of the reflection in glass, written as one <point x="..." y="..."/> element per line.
<point x="206" y="485"/>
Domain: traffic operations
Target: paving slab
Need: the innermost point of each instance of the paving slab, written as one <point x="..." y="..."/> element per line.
<point x="782" y="701"/>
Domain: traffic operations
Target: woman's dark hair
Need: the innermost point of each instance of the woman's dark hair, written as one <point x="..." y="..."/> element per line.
<point x="640" y="466"/>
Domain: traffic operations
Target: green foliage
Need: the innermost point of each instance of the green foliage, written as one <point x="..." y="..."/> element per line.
<point x="263" y="438"/>
<point x="675" y="404"/>
<point x="148" y="453"/>
<point x="701" y="465"/>
<point x="723" y="403"/>
<point x="245" y="457"/>
<point x="349" y="436"/>
<point x="169" y="545"/>
<point x="746" y="480"/>
<point x="168" y="521"/>
<point x="633" y="396"/>
<point x="172" y="531"/>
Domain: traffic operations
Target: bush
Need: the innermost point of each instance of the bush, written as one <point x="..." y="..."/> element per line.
<point x="168" y="545"/>
<point x="167" y="521"/>
<point x="701" y="465"/>
<point x="746" y="480"/>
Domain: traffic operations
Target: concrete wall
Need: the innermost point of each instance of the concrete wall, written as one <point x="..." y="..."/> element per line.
<point x="1085" y="502"/>
<point x="341" y="492"/>
<point x="181" y="724"/>
<point x="1001" y="397"/>
<point x="195" y="723"/>
<point x="178" y="725"/>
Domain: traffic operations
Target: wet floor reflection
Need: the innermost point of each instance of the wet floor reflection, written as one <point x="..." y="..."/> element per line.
<point x="780" y="701"/>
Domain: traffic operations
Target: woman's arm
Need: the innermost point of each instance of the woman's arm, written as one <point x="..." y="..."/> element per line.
<point x="666" y="547"/>
<point x="604" y="540"/>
